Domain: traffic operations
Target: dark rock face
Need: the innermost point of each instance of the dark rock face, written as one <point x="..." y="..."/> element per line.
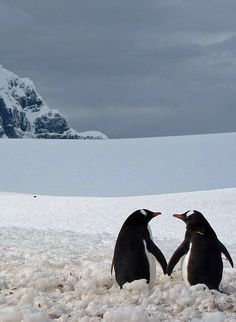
<point x="23" y="113"/>
<point x="2" y="131"/>
<point x="12" y="121"/>
<point x="30" y="98"/>
<point x="51" y="123"/>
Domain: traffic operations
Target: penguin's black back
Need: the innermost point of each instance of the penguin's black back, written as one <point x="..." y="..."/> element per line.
<point x="205" y="263"/>
<point x="203" y="250"/>
<point x="130" y="260"/>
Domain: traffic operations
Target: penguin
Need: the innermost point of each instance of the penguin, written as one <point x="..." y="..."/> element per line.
<point x="135" y="252"/>
<point x="202" y="249"/>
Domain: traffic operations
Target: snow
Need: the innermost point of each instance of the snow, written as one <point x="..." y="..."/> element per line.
<point x="56" y="255"/>
<point x="111" y="168"/>
<point x="9" y="100"/>
<point x="56" y="251"/>
<point x="5" y="75"/>
<point x="32" y="115"/>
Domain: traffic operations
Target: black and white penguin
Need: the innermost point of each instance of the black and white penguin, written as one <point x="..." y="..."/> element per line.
<point x="202" y="249"/>
<point x="135" y="251"/>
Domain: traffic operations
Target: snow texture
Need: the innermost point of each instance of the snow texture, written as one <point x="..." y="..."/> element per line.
<point x="56" y="255"/>
<point x="56" y="251"/>
<point x="110" y="168"/>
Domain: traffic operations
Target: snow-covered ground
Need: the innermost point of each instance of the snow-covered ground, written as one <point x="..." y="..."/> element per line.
<point x="56" y="254"/>
<point x="111" y="168"/>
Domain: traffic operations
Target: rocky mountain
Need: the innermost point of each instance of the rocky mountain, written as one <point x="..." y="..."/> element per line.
<point x="24" y="114"/>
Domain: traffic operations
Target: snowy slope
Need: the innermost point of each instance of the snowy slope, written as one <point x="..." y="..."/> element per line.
<point x="118" y="167"/>
<point x="23" y="112"/>
<point x="56" y="254"/>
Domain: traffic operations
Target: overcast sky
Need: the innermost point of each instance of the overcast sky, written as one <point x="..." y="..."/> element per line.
<point x="127" y="68"/>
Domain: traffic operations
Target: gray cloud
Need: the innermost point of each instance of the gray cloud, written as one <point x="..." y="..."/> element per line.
<point x="127" y="68"/>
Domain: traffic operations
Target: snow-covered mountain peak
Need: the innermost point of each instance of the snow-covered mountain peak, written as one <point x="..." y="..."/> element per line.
<point x="23" y="112"/>
<point x="5" y="77"/>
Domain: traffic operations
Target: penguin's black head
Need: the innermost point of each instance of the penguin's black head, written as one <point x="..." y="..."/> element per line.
<point x="189" y="216"/>
<point x="194" y="220"/>
<point x="141" y="217"/>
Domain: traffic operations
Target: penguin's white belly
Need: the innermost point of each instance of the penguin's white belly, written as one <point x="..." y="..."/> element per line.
<point x="184" y="267"/>
<point x="152" y="265"/>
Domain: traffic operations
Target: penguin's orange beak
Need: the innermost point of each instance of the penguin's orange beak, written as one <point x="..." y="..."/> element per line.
<point x="156" y="213"/>
<point x="180" y="216"/>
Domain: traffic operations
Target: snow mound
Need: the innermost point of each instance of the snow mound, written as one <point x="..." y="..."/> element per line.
<point x="56" y="255"/>
<point x="65" y="276"/>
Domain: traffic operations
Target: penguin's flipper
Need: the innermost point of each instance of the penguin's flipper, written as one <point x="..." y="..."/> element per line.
<point x="112" y="265"/>
<point x="152" y="248"/>
<point x="180" y="252"/>
<point x="226" y="253"/>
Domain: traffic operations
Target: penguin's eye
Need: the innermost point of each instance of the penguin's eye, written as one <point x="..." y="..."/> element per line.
<point x="143" y="212"/>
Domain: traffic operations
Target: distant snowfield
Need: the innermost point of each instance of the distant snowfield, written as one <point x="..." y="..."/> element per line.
<point x="112" y="168"/>
<point x="56" y="254"/>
